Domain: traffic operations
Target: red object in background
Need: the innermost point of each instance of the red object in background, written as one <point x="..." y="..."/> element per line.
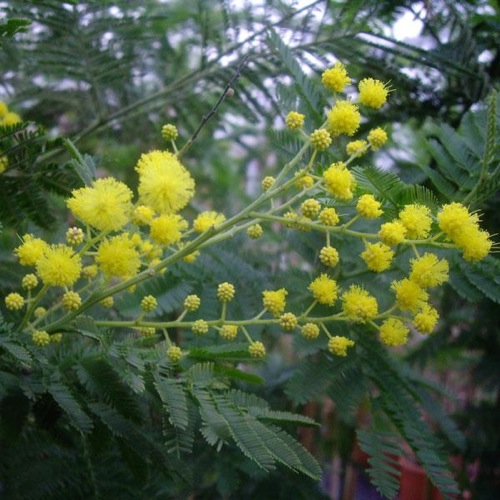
<point x="413" y="483"/>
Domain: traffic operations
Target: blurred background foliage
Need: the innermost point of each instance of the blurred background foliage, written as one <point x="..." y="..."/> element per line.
<point x="108" y="75"/>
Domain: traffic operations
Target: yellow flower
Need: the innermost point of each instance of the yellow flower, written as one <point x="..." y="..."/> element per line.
<point x="409" y="295"/>
<point x="339" y="181"/>
<point x="288" y="321"/>
<point x="192" y="303"/>
<point x="426" y="319"/>
<point x="59" y="266"/>
<point x="358" y="305"/>
<point x="303" y="181"/>
<point x="428" y="271"/>
<point x="40" y="338"/>
<point x="329" y="256"/>
<point x="320" y="139"/>
<point x="29" y="282"/>
<point x="393" y="332"/>
<point x="174" y="354"/>
<point x="324" y="289"/>
<point x="10" y="118"/>
<point x="310" y="208"/>
<point x="118" y="257"/>
<point x="310" y="331"/>
<point x="294" y="120"/>
<point x="417" y="221"/>
<point x="167" y="228"/>
<point x="377" y="256"/>
<point x="356" y="148"/>
<point x="329" y="217"/>
<point x="71" y="301"/>
<point x="274" y="301"/>
<point x="392" y="233"/>
<point x="474" y="242"/>
<point x="255" y="231"/>
<point x="372" y="93"/>
<point x="377" y="137"/>
<point x="31" y="250"/>
<point x="169" y="132"/>
<point x="343" y="118"/>
<point x="142" y="215"/>
<point x="200" y="327"/>
<point x="207" y="220"/>
<point x="149" y="303"/>
<point x="335" y="78"/>
<point x="164" y="184"/>
<point x="106" y="205"/>
<point x="74" y="236"/>
<point x="338" y="345"/>
<point x="225" y="292"/>
<point x="228" y="332"/>
<point x="257" y="350"/>
<point x="4" y="109"/>
<point x="14" y="301"/>
<point x="369" y="207"/>
<point x="453" y="217"/>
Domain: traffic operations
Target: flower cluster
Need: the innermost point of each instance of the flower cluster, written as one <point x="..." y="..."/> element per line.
<point x="122" y="239"/>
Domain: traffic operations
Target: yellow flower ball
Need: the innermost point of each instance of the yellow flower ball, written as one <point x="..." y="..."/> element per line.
<point x="339" y="181"/>
<point x="59" y="266"/>
<point x="338" y="345"/>
<point x="417" y="220"/>
<point x="335" y="78"/>
<point x="358" y="305"/>
<point x="164" y="183"/>
<point x="324" y="289"/>
<point x="31" y="250"/>
<point x="377" y="256"/>
<point x="343" y="118"/>
<point x="393" y="332"/>
<point x="373" y="93"/>
<point x="409" y="295"/>
<point x="167" y="229"/>
<point x="274" y="301"/>
<point x="207" y="220"/>
<point x="117" y="256"/>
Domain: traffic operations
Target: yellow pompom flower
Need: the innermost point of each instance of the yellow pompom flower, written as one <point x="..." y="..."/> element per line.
<point x="71" y="301"/>
<point x="167" y="228"/>
<point x="417" y="220"/>
<point x="453" y="217"/>
<point x="192" y="303"/>
<point x="40" y="338"/>
<point x="31" y="250"/>
<point x="343" y="118"/>
<point x="207" y="220"/>
<point x="90" y="271"/>
<point x="303" y="181"/>
<point x="59" y="266"/>
<point x="358" y="305"/>
<point x="14" y="301"/>
<point x="392" y="233"/>
<point x="174" y="354"/>
<point x="310" y="331"/>
<point x="4" y="109"/>
<point x="356" y="148"/>
<point x="338" y="345"/>
<point x="425" y="320"/>
<point x="200" y="327"/>
<point x="107" y="302"/>
<point x="329" y="256"/>
<point x="225" y="292"/>
<point x="29" y="282"/>
<point x="169" y="132"/>
<point x="377" y="256"/>
<point x="255" y="231"/>
<point x="149" y="303"/>
<point x="310" y="208"/>
<point x="474" y="242"/>
<point x="429" y="271"/>
<point x="106" y="205"/>
<point x="142" y="215"/>
<point x="74" y="236"/>
<point x="409" y="295"/>
<point x="40" y="312"/>
<point x="147" y="332"/>
<point x="339" y="181"/>
<point x="228" y="332"/>
<point x="294" y="120"/>
<point x="329" y="217"/>
<point x="55" y="338"/>
<point x="372" y="93"/>
<point x="164" y="183"/>
<point x="335" y="78"/>
<point x="288" y="321"/>
<point x="377" y="137"/>
<point x="274" y="301"/>
<point x="393" y="332"/>
<point x="257" y="350"/>
<point x="324" y="289"/>
<point x="369" y="207"/>
<point x="118" y="257"/>
<point x="267" y="182"/>
<point x="320" y="139"/>
<point x="10" y="118"/>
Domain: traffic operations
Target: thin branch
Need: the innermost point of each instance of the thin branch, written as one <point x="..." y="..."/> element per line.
<point x="213" y="111"/>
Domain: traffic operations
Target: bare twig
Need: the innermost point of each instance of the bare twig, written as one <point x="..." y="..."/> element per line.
<point x="226" y="93"/>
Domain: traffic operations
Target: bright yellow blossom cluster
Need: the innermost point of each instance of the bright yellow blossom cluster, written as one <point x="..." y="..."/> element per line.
<point x="122" y="239"/>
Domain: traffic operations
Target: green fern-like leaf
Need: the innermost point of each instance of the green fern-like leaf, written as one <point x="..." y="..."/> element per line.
<point x="174" y="398"/>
